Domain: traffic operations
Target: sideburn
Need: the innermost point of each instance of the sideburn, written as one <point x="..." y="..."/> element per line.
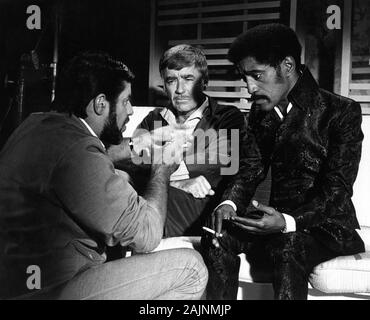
<point x="279" y="75"/>
<point x="111" y="134"/>
<point x="198" y="93"/>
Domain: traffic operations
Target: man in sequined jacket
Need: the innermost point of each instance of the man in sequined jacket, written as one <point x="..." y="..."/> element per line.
<point x="311" y="140"/>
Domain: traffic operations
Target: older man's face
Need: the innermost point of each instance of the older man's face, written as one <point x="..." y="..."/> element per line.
<point x="184" y="88"/>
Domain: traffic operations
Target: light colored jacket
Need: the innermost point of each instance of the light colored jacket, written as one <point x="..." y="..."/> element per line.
<point x="62" y="202"/>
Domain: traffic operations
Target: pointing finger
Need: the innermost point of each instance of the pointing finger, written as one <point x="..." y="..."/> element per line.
<point x="262" y="207"/>
<point x="256" y="223"/>
<point x="213" y="226"/>
<point x="219" y="218"/>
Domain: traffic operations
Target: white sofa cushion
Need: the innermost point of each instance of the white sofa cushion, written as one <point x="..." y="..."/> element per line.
<point x="178" y="242"/>
<point x="347" y="274"/>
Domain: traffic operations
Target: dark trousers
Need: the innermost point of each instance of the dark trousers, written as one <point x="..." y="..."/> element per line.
<point x="290" y="258"/>
<point x="185" y="214"/>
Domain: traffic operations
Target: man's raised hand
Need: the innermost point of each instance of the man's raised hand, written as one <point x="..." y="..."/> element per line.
<point x="199" y="187"/>
<point x="223" y="212"/>
<point x="272" y="221"/>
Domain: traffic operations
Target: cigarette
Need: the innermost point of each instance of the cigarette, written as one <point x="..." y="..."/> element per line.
<point x="211" y="231"/>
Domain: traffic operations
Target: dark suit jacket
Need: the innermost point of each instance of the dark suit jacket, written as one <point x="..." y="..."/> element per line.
<point x="314" y="154"/>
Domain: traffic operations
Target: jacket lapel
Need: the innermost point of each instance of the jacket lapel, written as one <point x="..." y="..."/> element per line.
<point x="205" y="121"/>
<point x="305" y="98"/>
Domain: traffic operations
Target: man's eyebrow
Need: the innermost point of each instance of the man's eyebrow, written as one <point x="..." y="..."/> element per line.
<point x="253" y="71"/>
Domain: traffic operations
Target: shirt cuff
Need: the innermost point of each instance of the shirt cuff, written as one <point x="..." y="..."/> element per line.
<point x="290" y="223"/>
<point x="181" y="173"/>
<point x="229" y="202"/>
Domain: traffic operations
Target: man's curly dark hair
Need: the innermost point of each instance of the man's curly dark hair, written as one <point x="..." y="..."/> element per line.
<point x="268" y="44"/>
<point x="87" y="75"/>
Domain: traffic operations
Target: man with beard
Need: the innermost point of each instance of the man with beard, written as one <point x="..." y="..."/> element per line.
<point x="311" y="139"/>
<point x="62" y="202"/>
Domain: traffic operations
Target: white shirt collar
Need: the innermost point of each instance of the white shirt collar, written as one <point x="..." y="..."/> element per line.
<point x="88" y="127"/>
<point x="277" y="110"/>
<point x="91" y="131"/>
<point x="198" y="114"/>
<point x="195" y="117"/>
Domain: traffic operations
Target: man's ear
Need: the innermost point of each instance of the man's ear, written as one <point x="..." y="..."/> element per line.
<point x="204" y="85"/>
<point x="288" y="65"/>
<point x="100" y="104"/>
<point x="165" y="89"/>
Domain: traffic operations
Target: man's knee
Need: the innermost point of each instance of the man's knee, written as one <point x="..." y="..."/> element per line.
<point x="201" y="267"/>
<point x="287" y="240"/>
<point x="193" y="262"/>
<point x="288" y="247"/>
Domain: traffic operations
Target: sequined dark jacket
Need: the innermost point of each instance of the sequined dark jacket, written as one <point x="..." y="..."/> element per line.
<point x="314" y="154"/>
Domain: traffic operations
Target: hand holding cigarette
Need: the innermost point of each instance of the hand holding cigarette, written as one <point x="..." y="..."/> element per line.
<point x="212" y="232"/>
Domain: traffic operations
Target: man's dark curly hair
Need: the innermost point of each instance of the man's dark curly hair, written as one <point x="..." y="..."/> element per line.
<point x="87" y="75"/>
<point x="268" y="44"/>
